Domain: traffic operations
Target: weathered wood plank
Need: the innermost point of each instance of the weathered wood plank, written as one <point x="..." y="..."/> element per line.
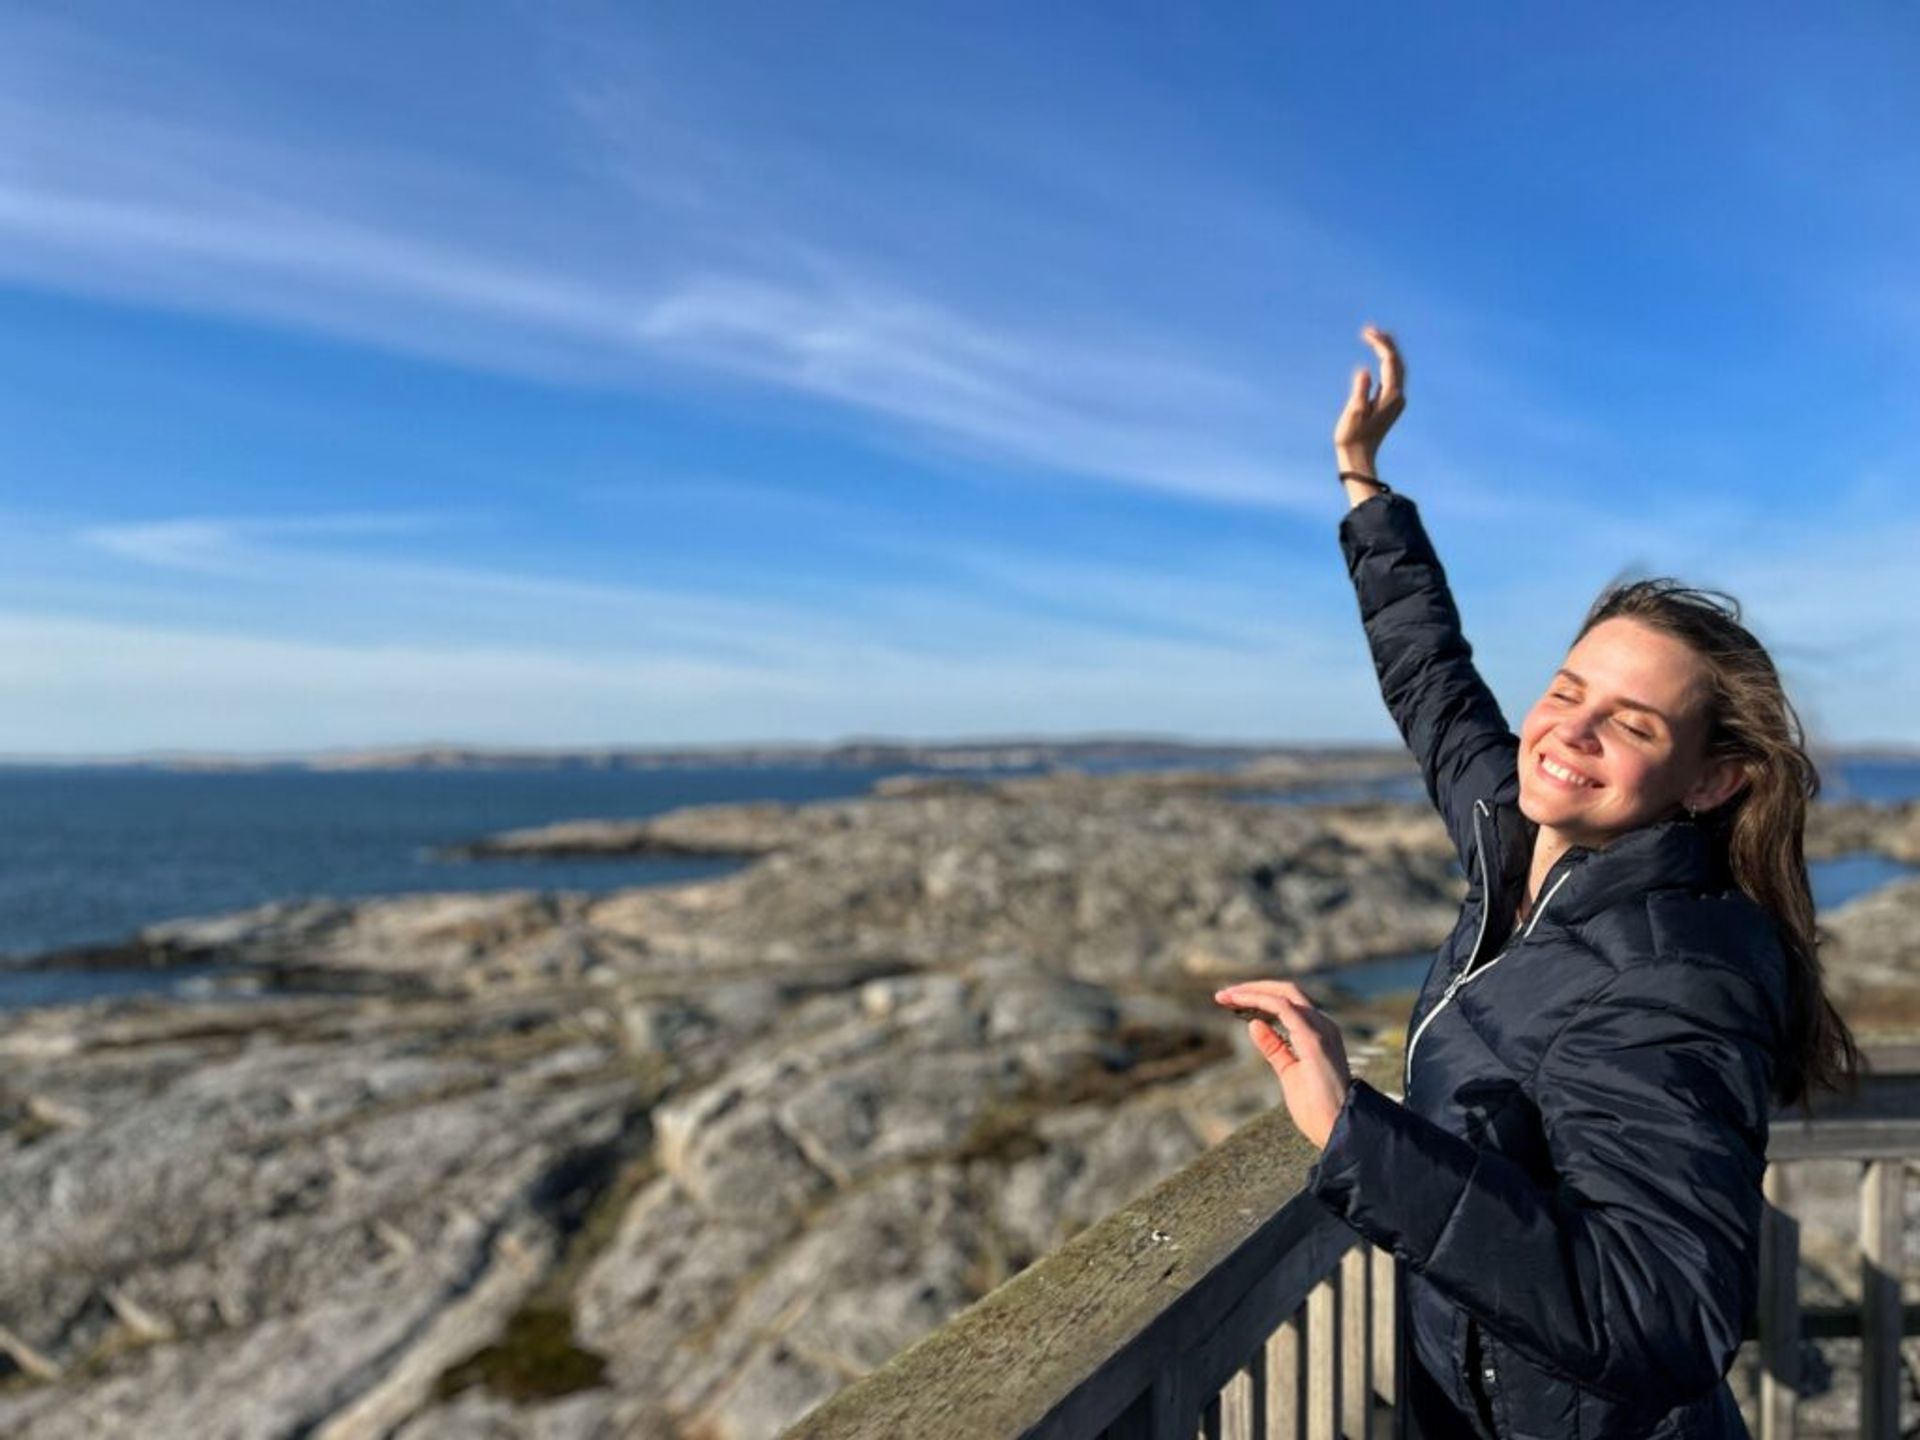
<point x="1286" y="1399"/>
<point x="1889" y="1138"/>
<point x="1386" y="1323"/>
<point x="1087" y="1329"/>
<point x="1778" y="1312"/>
<point x="1356" y="1344"/>
<point x="1882" y="1188"/>
<point x="1238" y="1418"/>
<point x="1323" y="1359"/>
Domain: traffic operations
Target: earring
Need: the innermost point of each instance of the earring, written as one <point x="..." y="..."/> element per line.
<point x="1693" y="814"/>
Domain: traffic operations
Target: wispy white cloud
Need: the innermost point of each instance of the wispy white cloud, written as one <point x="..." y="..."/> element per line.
<point x="1023" y="398"/>
<point x="293" y="266"/>
<point x="834" y="624"/>
<point x="232" y="227"/>
<point x="113" y="688"/>
<point x="1231" y="613"/>
<point x="400" y="650"/>
<point x="722" y="493"/>
<point x="677" y="247"/>
<point x="641" y="286"/>
<point x="1027" y="398"/>
<point x="284" y="559"/>
<point x="230" y="546"/>
<point x="1138" y="420"/>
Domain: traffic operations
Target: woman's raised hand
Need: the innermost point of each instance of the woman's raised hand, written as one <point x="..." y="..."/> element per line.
<point x="1310" y="1063"/>
<point x="1368" y="416"/>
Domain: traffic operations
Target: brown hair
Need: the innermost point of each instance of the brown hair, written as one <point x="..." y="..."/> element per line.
<point x="1762" y="827"/>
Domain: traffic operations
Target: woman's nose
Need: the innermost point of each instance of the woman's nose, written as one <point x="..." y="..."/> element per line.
<point x="1578" y="729"/>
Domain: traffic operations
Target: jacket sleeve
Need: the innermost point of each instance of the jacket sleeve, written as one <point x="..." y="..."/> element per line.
<point x="1447" y="715"/>
<point x="1635" y="1274"/>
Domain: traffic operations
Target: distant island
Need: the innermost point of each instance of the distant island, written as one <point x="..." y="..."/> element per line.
<point x="987" y="753"/>
<point x="983" y="754"/>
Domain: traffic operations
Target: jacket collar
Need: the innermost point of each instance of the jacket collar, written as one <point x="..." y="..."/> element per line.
<point x="1669" y="854"/>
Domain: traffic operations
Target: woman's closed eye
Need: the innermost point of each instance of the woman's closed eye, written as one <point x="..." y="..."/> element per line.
<point x="1632" y="730"/>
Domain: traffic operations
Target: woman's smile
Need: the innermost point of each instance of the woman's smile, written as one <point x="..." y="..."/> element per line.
<point x="1564" y="776"/>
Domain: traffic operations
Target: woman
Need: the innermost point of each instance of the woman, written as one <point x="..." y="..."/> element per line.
<point x="1573" y="1175"/>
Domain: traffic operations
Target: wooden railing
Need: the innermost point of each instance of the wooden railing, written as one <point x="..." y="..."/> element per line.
<point x="1881" y="1130"/>
<point x="1228" y="1305"/>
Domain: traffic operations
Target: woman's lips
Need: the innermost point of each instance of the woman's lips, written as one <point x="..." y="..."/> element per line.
<point x="1540" y="765"/>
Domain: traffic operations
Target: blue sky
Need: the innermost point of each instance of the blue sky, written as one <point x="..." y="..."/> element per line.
<point x="695" y="374"/>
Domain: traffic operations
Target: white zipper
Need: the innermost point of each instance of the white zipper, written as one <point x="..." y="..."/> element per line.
<point x="1468" y="973"/>
<point x="1486" y="909"/>
<point x="1489" y="1377"/>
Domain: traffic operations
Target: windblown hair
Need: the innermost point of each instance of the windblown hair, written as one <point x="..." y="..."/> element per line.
<point x="1761" y="828"/>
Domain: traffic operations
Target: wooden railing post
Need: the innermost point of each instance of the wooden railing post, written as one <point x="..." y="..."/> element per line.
<point x="1386" y="1325"/>
<point x="1356" y="1344"/>
<point x="1881" y="1213"/>
<point x="1286" y="1398"/>
<point x="1778" y="1320"/>
<point x="1239" y="1400"/>
<point x="1323" y="1358"/>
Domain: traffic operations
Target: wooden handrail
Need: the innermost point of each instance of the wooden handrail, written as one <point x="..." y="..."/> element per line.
<point x="1068" y="1344"/>
<point x="1136" y="1326"/>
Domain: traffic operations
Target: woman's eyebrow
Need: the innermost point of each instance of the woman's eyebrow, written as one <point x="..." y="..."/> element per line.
<point x="1624" y="704"/>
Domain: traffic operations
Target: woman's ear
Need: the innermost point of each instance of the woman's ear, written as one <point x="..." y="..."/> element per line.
<point x="1719" y="782"/>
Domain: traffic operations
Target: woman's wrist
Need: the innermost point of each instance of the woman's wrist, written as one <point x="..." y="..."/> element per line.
<point x="1360" y="461"/>
<point x="1360" y="477"/>
<point x="1359" y="492"/>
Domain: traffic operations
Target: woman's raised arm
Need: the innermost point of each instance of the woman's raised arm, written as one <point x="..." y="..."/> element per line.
<point x="1444" y="710"/>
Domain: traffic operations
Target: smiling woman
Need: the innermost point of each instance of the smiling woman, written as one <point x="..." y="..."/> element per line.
<point x="1572" y="1177"/>
<point x="1598" y="762"/>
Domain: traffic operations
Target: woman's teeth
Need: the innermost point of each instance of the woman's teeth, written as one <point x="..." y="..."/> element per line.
<point x="1564" y="775"/>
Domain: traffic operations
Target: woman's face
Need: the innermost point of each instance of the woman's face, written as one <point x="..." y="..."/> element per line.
<point x="1623" y="723"/>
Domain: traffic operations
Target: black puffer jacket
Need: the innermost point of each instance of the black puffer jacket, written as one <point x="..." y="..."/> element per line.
<point x="1572" y="1180"/>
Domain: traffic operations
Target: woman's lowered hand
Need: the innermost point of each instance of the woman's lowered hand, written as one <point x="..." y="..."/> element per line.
<point x="1364" y="423"/>
<point x="1311" y="1062"/>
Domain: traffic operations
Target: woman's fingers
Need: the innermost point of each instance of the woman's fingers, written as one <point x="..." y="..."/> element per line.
<point x="1371" y="410"/>
<point x="1303" y="1024"/>
<point x="1307" y="1028"/>
<point x="1277" y="1052"/>
<point x="1286" y="989"/>
<point x="1393" y="370"/>
<point x="1307" y="1054"/>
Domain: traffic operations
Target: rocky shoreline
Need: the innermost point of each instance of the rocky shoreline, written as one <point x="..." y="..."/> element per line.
<point x="683" y="1161"/>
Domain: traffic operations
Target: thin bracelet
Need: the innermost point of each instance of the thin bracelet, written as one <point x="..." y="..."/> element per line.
<point x="1370" y="479"/>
